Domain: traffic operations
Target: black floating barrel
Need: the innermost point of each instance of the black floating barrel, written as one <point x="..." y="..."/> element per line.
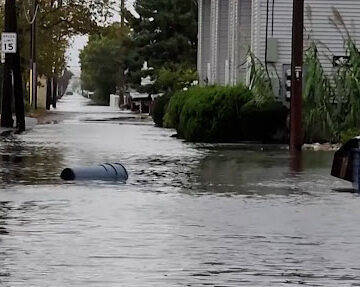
<point x="107" y="171"/>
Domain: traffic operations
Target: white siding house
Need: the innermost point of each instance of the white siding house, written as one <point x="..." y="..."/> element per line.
<point x="228" y="29"/>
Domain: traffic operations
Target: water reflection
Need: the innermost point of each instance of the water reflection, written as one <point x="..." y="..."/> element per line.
<point x="5" y="208"/>
<point x="24" y="163"/>
<point x="238" y="171"/>
<point x="296" y="161"/>
<point x="4" y="215"/>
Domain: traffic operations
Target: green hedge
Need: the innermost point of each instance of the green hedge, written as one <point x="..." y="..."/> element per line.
<point x="263" y="123"/>
<point x="159" y="109"/>
<point x="222" y="114"/>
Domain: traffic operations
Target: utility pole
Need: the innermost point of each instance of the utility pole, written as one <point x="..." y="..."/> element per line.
<point x="55" y="89"/>
<point x="12" y="86"/>
<point x="121" y="72"/>
<point x="33" y="67"/>
<point x="296" y="132"/>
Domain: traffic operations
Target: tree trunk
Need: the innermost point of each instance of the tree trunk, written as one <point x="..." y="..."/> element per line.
<point x="19" y="94"/>
<point x="33" y="65"/>
<point x="12" y="76"/>
<point x="55" y="92"/>
<point x="6" y="109"/>
<point x="48" y="93"/>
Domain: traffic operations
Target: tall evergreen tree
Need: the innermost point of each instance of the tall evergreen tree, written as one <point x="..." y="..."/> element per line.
<point x="165" y="35"/>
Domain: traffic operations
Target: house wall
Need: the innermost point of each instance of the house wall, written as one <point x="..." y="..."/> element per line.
<point x="244" y="38"/>
<point x="204" y="52"/>
<point x="318" y="28"/>
<point x="228" y="28"/>
<point x="223" y="68"/>
<point x="214" y="40"/>
<point x="41" y="93"/>
<point x="282" y="29"/>
<point x="232" y="36"/>
<point x="224" y="40"/>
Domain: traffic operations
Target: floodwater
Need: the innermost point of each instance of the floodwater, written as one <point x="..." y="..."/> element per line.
<point x="190" y="215"/>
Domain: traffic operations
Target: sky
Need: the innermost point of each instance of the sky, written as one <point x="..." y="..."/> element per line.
<point x="79" y="42"/>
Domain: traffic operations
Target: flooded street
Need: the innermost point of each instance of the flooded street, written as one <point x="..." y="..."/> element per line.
<point x="189" y="215"/>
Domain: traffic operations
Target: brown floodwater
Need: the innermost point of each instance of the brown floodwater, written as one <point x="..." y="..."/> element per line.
<point x="189" y="215"/>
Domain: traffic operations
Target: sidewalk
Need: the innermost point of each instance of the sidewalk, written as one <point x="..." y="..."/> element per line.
<point x="30" y="123"/>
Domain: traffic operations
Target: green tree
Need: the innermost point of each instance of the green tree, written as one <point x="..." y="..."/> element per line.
<point x="102" y="60"/>
<point x="57" y="22"/>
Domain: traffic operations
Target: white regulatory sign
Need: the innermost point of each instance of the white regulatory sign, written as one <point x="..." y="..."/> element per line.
<point x="8" y="43"/>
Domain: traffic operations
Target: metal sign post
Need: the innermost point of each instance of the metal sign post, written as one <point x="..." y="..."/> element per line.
<point x="33" y="78"/>
<point x="8" y="43"/>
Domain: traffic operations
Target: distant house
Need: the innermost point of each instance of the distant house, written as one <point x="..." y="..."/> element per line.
<point x="228" y="29"/>
<point x="139" y="102"/>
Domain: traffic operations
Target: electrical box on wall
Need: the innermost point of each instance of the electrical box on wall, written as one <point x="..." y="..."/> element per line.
<point x="272" y="50"/>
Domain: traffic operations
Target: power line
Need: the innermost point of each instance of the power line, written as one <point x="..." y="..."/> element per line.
<point x="273" y="18"/>
<point x="266" y="38"/>
<point x="34" y="16"/>
<point x="33" y="65"/>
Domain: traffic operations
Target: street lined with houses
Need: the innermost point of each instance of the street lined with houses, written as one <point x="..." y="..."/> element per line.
<point x="185" y="143"/>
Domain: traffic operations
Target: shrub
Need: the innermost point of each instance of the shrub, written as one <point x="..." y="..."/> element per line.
<point x="223" y="114"/>
<point x="319" y="124"/>
<point x="262" y="123"/>
<point x="331" y="104"/>
<point x="349" y="134"/>
<point x="158" y="113"/>
<point x="211" y="114"/>
<point x="332" y="101"/>
<point x="102" y="97"/>
<point x="260" y="83"/>
<point x="173" y="111"/>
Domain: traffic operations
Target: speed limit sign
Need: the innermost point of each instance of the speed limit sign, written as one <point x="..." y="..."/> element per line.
<point x="8" y="43"/>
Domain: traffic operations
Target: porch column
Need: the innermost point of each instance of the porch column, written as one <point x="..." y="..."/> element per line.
<point x="233" y="40"/>
<point x="200" y="40"/>
<point x="205" y="42"/>
<point x="214" y="42"/>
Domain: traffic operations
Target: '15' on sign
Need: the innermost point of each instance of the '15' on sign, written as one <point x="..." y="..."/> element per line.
<point x="8" y="42"/>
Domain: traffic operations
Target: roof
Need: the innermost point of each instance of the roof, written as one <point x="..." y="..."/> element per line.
<point x="139" y="96"/>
